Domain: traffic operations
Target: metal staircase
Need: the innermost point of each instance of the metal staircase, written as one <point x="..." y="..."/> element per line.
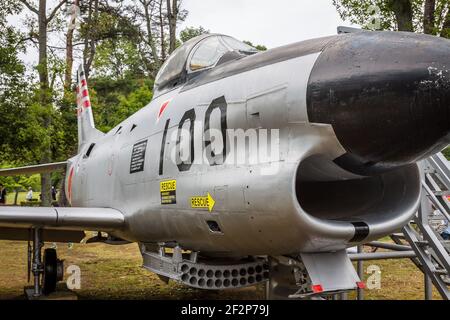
<point x="424" y="232"/>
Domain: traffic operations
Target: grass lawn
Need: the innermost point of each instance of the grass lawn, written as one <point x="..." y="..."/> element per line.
<point x="21" y="197"/>
<point x="115" y="272"/>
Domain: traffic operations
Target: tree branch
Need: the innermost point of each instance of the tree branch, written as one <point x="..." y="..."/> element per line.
<point x="52" y="15"/>
<point x="29" y="6"/>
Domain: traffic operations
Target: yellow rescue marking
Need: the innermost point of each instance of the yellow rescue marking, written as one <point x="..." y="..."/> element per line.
<point x="168" y="191"/>
<point x="169" y="185"/>
<point x="206" y="202"/>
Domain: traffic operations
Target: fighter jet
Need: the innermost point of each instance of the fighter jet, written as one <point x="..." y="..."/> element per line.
<point x="251" y="166"/>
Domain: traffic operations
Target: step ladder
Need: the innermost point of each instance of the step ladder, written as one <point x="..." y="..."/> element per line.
<point x="424" y="232"/>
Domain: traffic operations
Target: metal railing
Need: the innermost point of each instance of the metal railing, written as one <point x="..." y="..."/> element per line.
<point x="425" y="232"/>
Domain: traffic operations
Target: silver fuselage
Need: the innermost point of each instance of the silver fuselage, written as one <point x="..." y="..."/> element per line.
<point x="259" y="205"/>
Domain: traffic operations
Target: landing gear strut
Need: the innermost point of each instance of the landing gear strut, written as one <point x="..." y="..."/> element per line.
<point x="50" y="269"/>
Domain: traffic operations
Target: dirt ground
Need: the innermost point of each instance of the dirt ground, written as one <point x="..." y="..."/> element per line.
<point x="115" y="272"/>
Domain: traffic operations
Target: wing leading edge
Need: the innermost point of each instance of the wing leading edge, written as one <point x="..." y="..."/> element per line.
<point x="75" y="219"/>
<point x="40" y="168"/>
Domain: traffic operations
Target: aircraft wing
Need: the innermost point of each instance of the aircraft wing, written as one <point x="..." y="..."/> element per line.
<point x="40" y="168"/>
<point x="60" y="224"/>
<point x="101" y="219"/>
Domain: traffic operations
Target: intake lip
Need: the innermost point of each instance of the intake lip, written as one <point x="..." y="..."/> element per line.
<point x="387" y="96"/>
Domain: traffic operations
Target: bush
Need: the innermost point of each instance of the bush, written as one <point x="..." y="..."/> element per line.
<point x="30" y="203"/>
<point x="446" y="153"/>
<point x="36" y="203"/>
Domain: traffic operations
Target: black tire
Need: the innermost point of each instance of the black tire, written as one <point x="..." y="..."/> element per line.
<point x="49" y="278"/>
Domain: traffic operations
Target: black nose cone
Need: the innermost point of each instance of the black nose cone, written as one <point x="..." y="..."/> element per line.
<point x="387" y="96"/>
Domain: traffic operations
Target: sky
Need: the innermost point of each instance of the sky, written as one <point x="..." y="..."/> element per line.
<point x="263" y="22"/>
<point x="267" y="22"/>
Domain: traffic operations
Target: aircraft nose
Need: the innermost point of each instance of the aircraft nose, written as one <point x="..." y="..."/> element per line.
<point x="387" y="96"/>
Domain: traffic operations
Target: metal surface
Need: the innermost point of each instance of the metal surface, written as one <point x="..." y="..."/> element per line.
<point x="387" y="245"/>
<point x="360" y="272"/>
<point x="332" y="270"/>
<point x="342" y="168"/>
<point x="311" y="276"/>
<point x="104" y="219"/>
<point x="40" y="168"/>
<point x="48" y="235"/>
<point x="185" y="268"/>
<point x="306" y="170"/>
<point x="428" y="287"/>
<point x="381" y="255"/>
<point x="428" y="265"/>
<point x="288" y="279"/>
<point x="37" y="266"/>
<point x="416" y="84"/>
<point x="425" y="240"/>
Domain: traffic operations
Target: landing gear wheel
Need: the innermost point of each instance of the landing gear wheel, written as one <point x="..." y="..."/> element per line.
<point x="52" y="271"/>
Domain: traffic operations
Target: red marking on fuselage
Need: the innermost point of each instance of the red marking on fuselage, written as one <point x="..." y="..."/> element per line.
<point x="87" y="104"/>
<point x="85" y="93"/>
<point x="83" y="82"/>
<point x="69" y="184"/>
<point x="163" y="107"/>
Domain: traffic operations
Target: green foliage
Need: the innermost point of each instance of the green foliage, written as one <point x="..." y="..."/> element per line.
<point x="361" y="13"/>
<point x="259" y="46"/>
<point x="20" y="182"/>
<point x="446" y="153"/>
<point x="116" y="100"/>
<point x="14" y="93"/>
<point x="192" y="32"/>
<point x="117" y="59"/>
<point x="365" y="13"/>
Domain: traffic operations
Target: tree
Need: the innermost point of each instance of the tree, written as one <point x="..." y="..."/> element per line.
<point x="118" y="59"/>
<point x="122" y="45"/>
<point x="148" y="37"/>
<point x="258" y="47"/>
<point x="115" y="100"/>
<point x="174" y="16"/>
<point x="69" y="46"/>
<point x="446" y="152"/>
<point x="192" y="32"/>
<point x="45" y="103"/>
<point x="150" y="15"/>
<point x="427" y="16"/>
<point x="13" y="87"/>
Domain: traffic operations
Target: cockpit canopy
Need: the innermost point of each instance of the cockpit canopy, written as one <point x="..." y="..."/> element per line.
<point x="196" y="55"/>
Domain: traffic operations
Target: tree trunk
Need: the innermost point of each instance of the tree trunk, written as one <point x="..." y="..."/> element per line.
<point x="44" y="95"/>
<point x="172" y="14"/>
<point x="150" y="39"/>
<point x="162" y="33"/>
<point x="403" y="13"/>
<point x="69" y="51"/>
<point x="90" y="41"/>
<point x="42" y="67"/>
<point x="428" y="18"/>
<point x="69" y="60"/>
<point x="44" y="98"/>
